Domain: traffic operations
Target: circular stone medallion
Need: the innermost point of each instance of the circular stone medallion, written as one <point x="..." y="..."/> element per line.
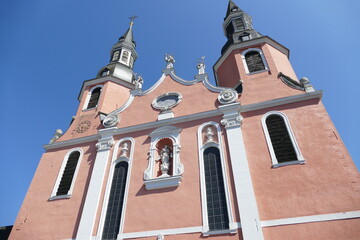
<point x="83" y="126"/>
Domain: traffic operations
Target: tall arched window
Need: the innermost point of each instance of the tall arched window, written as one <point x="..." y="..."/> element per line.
<point x="218" y="218"/>
<point x="281" y="140"/>
<point x="94" y="98"/>
<point x="215" y="197"/>
<point x="254" y="61"/>
<point x="66" y="178"/>
<point x="115" y="203"/>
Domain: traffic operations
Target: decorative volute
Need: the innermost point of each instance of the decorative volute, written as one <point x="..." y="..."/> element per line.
<point x="122" y="57"/>
<point x="237" y="26"/>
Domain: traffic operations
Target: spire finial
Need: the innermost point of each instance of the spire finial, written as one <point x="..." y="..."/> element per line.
<point x="132" y="19"/>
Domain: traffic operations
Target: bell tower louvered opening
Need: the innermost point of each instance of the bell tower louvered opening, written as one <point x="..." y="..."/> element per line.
<point x="95" y="95"/>
<point x="280" y="139"/>
<point x="254" y="61"/>
<point x="68" y="174"/>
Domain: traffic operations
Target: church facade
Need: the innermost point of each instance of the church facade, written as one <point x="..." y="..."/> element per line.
<point x="255" y="157"/>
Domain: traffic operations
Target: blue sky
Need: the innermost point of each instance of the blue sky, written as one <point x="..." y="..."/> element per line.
<point x="48" y="48"/>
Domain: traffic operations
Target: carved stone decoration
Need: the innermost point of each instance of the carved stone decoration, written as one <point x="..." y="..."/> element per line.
<point x="160" y="237"/>
<point x="165" y="156"/>
<point x="179" y="166"/>
<point x="227" y="96"/>
<point x="150" y="157"/>
<point x="209" y="135"/>
<point x="57" y="135"/>
<point x="291" y="82"/>
<point x="167" y="101"/>
<point x="304" y="81"/>
<point x="124" y="150"/>
<point x="201" y="65"/>
<point x="139" y="81"/>
<point x="232" y="121"/>
<point x="105" y="145"/>
<point x="83" y="126"/>
<point x="169" y="61"/>
<point x="111" y="120"/>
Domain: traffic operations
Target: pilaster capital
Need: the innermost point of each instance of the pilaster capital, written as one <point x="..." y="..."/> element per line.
<point x="232" y="117"/>
<point x="105" y="144"/>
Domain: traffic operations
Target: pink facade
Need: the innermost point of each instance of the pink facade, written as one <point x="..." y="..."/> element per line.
<point x="207" y="130"/>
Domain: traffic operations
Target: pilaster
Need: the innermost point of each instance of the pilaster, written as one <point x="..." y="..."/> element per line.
<point x="248" y="211"/>
<point x="91" y="204"/>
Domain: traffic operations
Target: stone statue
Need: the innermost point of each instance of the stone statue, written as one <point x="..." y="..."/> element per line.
<point x="209" y="135"/>
<point x="57" y="135"/>
<point x="160" y="237"/>
<point x="124" y="150"/>
<point x="139" y="81"/>
<point x="201" y="66"/>
<point x="165" y="155"/>
<point x="169" y="61"/>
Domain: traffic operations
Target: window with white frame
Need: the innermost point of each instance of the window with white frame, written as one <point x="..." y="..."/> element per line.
<point x="92" y="98"/>
<point x="254" y="61"/>
<point x="66" y="178"/>
<point x="164" y="166"/>
<point x="280" y="139"/>
<point x="215" y="197"/>
<point x="113" y="210"/>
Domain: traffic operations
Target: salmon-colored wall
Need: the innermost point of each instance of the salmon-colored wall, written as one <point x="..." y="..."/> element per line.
<point x="332" y="230"/>
<point x="42" y="219"/>
<point x="326" y="183"/>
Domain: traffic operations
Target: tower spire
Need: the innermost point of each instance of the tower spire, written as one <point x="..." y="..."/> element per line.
<point x="237" y="26"/>
<point x="122" y="56"/>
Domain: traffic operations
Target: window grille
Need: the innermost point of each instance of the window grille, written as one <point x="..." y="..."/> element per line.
<point x="254" y="61"/>
<point x="95" y="95"/>
<point x="68" y="174"/>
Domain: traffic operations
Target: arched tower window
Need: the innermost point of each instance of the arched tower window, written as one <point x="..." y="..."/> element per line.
<point x="215" y="196"/>
<point x="115" y="203"/>
<point x="254" y="61"/>
<point x="66" y="178"/>
<point x="92" y="99"/>
<point x="281" y="140"/>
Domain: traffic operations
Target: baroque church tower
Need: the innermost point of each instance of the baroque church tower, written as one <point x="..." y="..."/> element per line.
<point x="255" y="157"/>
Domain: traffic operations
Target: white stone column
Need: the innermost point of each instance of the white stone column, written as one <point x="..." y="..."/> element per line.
<point x="248" y="211"/>
<point x="91" y="204"/>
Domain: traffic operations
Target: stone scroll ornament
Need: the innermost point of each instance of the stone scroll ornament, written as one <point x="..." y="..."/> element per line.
<point x="227" y="96"/>
<point x="111" y="120"/>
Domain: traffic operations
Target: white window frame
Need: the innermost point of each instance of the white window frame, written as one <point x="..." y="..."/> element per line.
<point x="262" y="58"/>
<point x="115" y="160"/>
<point x="152" y="182"/>
<point x="62" y="168"/>
<point x="88" y="96"/>
<point x="275" y="163"/>
<point x="201" y="148"/>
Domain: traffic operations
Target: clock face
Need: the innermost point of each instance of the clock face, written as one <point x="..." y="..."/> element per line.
<point x="83" y="126"/>
<point x="167" y="101"/>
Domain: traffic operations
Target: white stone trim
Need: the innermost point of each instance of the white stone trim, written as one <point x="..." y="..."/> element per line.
<point x="311" y="219"/>
<point x="88" y="96"/>
<point x="172" y="133"/>
<point x="114" y="161"/>
<point x="92" y="199"/>
<point x="173" y="231"/>
<point x="300" y="159"/>
<point x="188" y="118"/>
<point x="245" y="196"/>
<point x="62" y="168"/>
<point x="262" y="58"/>
<point x="201" y="148"/>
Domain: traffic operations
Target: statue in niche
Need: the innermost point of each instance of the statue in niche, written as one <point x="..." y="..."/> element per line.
<point x="124" y="150"/>
<point x="209" y="135"/>
<point x="165" y="155"/>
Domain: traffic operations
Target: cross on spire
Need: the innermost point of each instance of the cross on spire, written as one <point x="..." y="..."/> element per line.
<point x="132" y="19"/>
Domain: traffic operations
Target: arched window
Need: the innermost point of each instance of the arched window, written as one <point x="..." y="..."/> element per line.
<point x="281" y="140"/>
<point x="92" y="99"/>
<point x="216" y="206"/>
<point x="115" y="203"/>
<point x="218" y="218"/>
<point x="254" y="61"/>
<point x="66" y="178"/>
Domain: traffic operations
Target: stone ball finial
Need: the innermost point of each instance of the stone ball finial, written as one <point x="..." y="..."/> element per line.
<point x="58" y="132"/>
<point x="304" y="80"/>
